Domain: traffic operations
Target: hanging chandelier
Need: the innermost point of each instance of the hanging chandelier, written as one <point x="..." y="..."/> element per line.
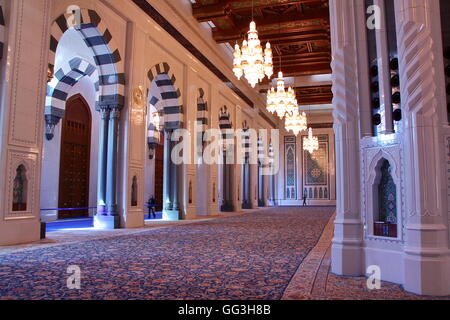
<point x="296" y="122"/>
<point x="280" y="101"/>
<point x="311" y="143"/>
<point x="251" y="61"/>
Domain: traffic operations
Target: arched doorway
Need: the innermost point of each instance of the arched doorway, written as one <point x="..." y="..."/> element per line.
<point x="80" y="54"/>
<point x="164" y="116"/>
<point x="246" y="169"/>
<point x="75" y="159"/>
<point x="227" y="176"/>
<point x="159" y="176"/>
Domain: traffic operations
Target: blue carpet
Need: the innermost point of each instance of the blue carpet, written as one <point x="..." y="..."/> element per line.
<point x="249" y="257"/>
<point x="158" y="216"/>
<point x="64" y="224"/>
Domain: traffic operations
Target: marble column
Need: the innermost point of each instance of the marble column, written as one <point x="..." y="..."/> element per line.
<point x="170" y="186"/>
<point x="171" y="210"/>
<point x="109" y="218"/>
<point x="102" y="162"/>
<point x="347" y="253"/>
<point x="272" y="188"/>
<point x="174" y="180"/>
<point x="261" y="196"/>
<point x="427" y="255"/>
<point x="227" y="205"/>
<point x="167" y="203"/>
<point x="247" y="203"/>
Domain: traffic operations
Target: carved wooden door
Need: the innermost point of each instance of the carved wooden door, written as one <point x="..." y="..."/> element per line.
<point x="75" y="159"/>
<point x="159" y="176"/>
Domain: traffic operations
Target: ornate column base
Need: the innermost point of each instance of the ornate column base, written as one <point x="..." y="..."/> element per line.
<point x="106" y="222"/>
<point x="272" y="203"/>
<point x="227" y="207"/>
<point x="427" y="268"/>
<point x="247" y="205"/>
<point x="427" y="275"/>
<point x="171" y="215"/>
<point x="347" y="252"/>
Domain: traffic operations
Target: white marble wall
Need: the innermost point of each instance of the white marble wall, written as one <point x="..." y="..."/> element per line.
<point x="22" y="108"/>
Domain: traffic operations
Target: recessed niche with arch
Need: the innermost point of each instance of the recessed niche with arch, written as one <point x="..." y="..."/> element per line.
<point x="385" y="208"/>
<point x="20" y="190"/>
<point x="134" y="192"/>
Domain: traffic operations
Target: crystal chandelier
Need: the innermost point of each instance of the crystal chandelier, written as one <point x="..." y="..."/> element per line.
<point x="296" y="122"/>
<point x="311" y="143"/>
<point x="251" y="61"/>
<point x="280" y="101"/>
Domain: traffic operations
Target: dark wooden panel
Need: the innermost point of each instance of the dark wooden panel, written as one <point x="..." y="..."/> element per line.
<point x="159" y="176"/>
<point x="75" y="158"/>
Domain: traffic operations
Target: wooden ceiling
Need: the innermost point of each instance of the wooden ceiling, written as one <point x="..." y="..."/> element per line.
<point x="313" y="95"/>
<point x="299" y="30"/>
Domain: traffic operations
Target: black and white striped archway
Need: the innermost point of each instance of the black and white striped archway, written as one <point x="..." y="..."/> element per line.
<point x="246" y="145"/>
<point x="64" y="79"/>
<point x="163" y="101"/>
<point x="108" y="62"/>
<point x="226" y="126"/>
<point x="202" y="114"/>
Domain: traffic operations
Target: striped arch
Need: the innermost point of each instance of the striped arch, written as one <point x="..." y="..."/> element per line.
<point x="164" y="96"/>
<point x="106" y="54"/>
<point x="202" y="111"/>
<point x="271" y="154"/>
<point x="65" y="78"/>
<point x="153" y="129"/>
<point x="261" y="152"/>
<point x="226" y="126"/>
<point x="2" y="32"/>
<point x="246" y="145"/>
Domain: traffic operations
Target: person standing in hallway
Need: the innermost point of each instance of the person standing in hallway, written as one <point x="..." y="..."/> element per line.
<point x="305" y="197"/>
<point x="151" y="208"/>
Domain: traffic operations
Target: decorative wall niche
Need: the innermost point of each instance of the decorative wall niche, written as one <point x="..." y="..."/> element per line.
<point x="20" y="190"/>
<point x="190" y="193"/>
<point x="384" y="201"/>
<point x="20" y="202"/>
<point x="382" y="181"/>
<point x="134" y="192"/>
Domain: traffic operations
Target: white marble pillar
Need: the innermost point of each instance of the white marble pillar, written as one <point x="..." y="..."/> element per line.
<point x="22" y="87"/>
<point x="347" y="256"/>
<point x="427" y="255"/>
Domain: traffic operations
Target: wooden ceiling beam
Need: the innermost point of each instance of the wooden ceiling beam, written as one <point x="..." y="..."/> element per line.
<point x="289" y="64"/>
<point x="319" y="53"/>
<point x="221" y="9"/>
<point x="307" y="32"/>
<point x="269" y="27"/>
<point x="306" y="69"/>
<point x="316" y="39"/>
<point x="269" y="35"/>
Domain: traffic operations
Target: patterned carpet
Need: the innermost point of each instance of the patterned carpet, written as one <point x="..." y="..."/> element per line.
<point x="252" y="256"/>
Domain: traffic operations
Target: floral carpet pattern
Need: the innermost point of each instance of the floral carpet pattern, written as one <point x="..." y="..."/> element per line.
<point x="250" y="256"/>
